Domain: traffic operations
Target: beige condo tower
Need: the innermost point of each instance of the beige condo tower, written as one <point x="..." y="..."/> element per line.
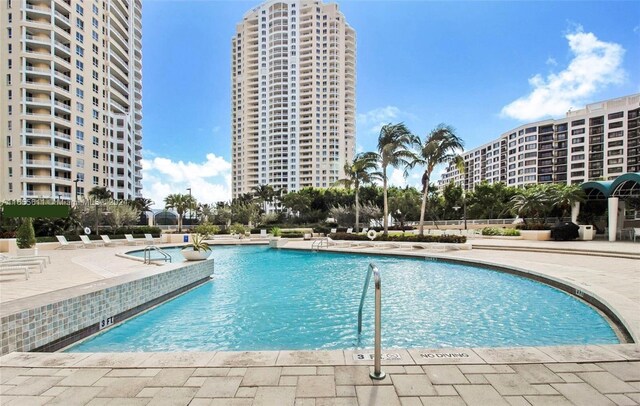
<point x="293" y="96"/>
<point x="71" y="99"/>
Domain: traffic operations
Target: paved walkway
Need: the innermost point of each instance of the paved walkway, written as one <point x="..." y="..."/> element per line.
<point x="420" y="377"/>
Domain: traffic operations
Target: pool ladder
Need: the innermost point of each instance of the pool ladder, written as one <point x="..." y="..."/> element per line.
<point x="377" y="353"/>
<point x="147" y="254"/>
<point x="317" y="244"/>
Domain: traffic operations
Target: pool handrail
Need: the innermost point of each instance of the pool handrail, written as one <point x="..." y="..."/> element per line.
<point x="147" y="254"/>
<point x="377" y="353"/>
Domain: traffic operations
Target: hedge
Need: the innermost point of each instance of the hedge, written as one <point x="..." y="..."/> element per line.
<point x="456" y="239"/>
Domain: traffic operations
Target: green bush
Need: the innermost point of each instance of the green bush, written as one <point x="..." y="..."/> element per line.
<point x="135" y="230"/>
<point x="237" y="228"/>
<point x="491" y="231"/>
<point x="455" y="239"/>
<point x="276" y="231"/>
<point x="25" y="235"/>
<point x="511" y="232"/>
<point x="292" y="234"/>
<point x="533" y="226"/>
<point x="206" y="229"/>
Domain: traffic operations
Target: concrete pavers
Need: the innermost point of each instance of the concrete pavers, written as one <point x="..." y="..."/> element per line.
<point x="520" y="383"/>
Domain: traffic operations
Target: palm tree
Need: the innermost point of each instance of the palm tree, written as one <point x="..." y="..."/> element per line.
<point x="395" y="142"/>
<point x="264" y="193"/>
<point x="532" y="202"/>
<point x="180" y="203"/>
<point x="564" y="197"/>
<point x="360" y="171"/>
<point x="100" y="193"/>
<point x="441" y="146"/>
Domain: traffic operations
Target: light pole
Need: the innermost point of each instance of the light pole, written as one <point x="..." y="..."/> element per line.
<point x="464" y="209"/>
<point x="76" y="188"/>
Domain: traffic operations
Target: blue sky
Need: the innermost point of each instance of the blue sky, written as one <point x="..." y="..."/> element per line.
<point x="482" y="67"/>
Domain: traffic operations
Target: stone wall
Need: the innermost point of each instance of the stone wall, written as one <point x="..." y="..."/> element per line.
<point x="56" y="319"/>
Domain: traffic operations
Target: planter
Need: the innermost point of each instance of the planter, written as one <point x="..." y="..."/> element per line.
<point x="536" y="235"/>
<point x="503" y="237"/>
<point x="277" y="242"/>
<point x="191" y="255"/>
<point x="27" y="252"/>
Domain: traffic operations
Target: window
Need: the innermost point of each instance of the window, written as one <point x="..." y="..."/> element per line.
<point x="9" y="33"/>
<point x="80" y="107"/>
<point x="96" y="154"/>
<point x="94" y="35"/>
<point x="80" y="164"/>
<point x="79" y="65"/>
<point x="613" y="116"/>
<point x="80" y="93"/>
<point x="79" y="135"/>
<point x="79" y="37"/>
<point x="79" y="9"/>
<point x="94" y="22"/>
<point x="80" y="121"/>
<point x="95" y="180"/>
<point x="96" y="115"/>
<point x="96" y="168"/>
<point x="79" y="50"/>
<point x="10" y="187"/>
<point x="577" y="122"/>
<point x="95" y="9"/>
<point x="79" y="79"/>
<point x="8" y="79"/>
<point x="95" y="75"/>
<point x="80" y="149"/>
<point x="79" y="23"/>
<point x="8" y="140"/>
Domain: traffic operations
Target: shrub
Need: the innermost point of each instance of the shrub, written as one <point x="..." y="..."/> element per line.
<point x="456" y="239"/>
<point x="206" y="229"/>
<point x="507" y="232"/>
<point x="491" y="231"/>
<point x="276" y="231"/>
<point x="237" y="228"/>
<point x="292" y="234"/>
<point x="511" y="232"/>
<point x="25" y="235"/>
<point x="134" y="230"/>
<point x="7" y="234"/>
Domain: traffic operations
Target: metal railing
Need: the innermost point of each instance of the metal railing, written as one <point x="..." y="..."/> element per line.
<point x="317" y="244"/>
<point x="377" y="352"/>
<point x="147" y="254"/>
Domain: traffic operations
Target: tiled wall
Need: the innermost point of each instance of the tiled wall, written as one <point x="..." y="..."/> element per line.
<point x="33" y="328"/>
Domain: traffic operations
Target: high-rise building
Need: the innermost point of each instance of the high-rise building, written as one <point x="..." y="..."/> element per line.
<point x="71" y="98"/>
<point x="598" y="142"/>
<point x="293" y="96"/>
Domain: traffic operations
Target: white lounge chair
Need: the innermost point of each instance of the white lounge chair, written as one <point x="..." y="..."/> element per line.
<point x="334" y="230"/>
<point x="148" y="238"/>
<point x="263" y="234"/>
<point x="107" y="241"/>
<point x="365" y="230"/>
<point x="88" y="243"/>
<point x="349" y="230"/>
<point x="15" y="269"/>
<point x="44" y="258"/>
<point x="131" y="240"/>
<point x="636" y="233"/>
<point x="29" y="263"/>
<point x="64" y="244"/>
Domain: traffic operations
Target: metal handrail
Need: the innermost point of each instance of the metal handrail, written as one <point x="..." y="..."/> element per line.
<point x="317" y="244"/>
<point x="377" y="352"/>
<point x="147" y="254"/>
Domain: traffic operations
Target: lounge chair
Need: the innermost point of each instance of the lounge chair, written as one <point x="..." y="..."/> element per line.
<point x="44" y="258"/>
<point x="64" y="244"/>
<point x="88" y="243"/>
<point x="263" y="234"/>
<point x="334" y="230"/>
<point x="389" y="246"/>
<point x="349" y="230"/>
<point x="108" y="242"/>
<point x="364" y="230"/>
<point x="148" y="238"/>
<point x="307" y="236"/>
<point x="29" y="263"/>
<point x="131" y="240"/>
<point x="15" y="269"/>
<point x="636" y="233"/>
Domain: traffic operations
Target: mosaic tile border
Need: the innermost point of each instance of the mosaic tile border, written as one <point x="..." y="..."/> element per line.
<point x="34" y="327"/>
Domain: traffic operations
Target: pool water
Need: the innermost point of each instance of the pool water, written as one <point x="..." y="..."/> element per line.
<point x="269" y="299"/>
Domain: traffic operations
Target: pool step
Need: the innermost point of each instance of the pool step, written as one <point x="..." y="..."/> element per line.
<point x="610" y="254"/>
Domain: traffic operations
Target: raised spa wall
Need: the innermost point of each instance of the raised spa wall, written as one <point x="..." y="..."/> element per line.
<point x="52" y="321"/>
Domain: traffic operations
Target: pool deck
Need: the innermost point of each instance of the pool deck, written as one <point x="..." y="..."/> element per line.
<point x="580" y="375"/>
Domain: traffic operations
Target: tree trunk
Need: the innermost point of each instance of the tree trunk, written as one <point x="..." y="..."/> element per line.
<point x="385" y="204"/>
<point x="179" y="223"/>
<point x="423" y="207"/>
<point x="357" y="213"/>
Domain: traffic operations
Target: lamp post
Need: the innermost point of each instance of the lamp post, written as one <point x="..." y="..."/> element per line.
<point x="464" y="209"/>
<point x="76" y="188"/>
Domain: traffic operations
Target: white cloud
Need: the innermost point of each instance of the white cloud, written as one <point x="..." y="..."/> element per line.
<point x="397" y="178"/>
<point x="374" y="119"/>
<point x="551" y="61"/>
<point x="210" y="181"/>
<point x="595" y="65"/>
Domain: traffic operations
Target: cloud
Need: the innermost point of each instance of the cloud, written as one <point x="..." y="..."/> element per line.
<point x="551" y="62"/>
<point x="397" y="178"/>
<point x="210" y="181"/>
<point x="595" y="65"/>
<point x="374" y="119"/>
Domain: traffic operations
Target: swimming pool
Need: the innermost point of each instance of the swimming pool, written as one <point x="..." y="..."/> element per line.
<point x="270" y="299"/>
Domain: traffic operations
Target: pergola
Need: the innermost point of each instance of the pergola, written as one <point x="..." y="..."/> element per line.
<point x="616" y="192"/>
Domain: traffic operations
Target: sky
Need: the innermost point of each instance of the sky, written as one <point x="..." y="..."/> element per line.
<point x="483" y="67"/>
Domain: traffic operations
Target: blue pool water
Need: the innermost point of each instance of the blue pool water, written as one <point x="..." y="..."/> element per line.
<point x="268" y="299"/>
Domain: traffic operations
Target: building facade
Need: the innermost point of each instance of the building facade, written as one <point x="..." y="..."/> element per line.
<point x="293" y="96"/>
<point x="599" y="142"/>
<point x="71" y="100"/>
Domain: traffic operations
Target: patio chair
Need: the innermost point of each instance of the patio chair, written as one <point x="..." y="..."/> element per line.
<point x="349" y="230"/>
<point x="46" y="259"/>
<point x="334" y="230"/>
<point x="88" y="243"/>
<point x="131" y="240"/>
<point x="148" y="238"/>
<point x="64" y="244"/>
<point x="307" y="236"/>
<point x="15" y="269"/>
<point x="263" y="234"/>
<point x="108" y="242"/>
<point x="636" y="233"/>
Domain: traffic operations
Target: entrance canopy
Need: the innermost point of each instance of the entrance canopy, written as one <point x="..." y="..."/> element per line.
<point x="624" y="186"/>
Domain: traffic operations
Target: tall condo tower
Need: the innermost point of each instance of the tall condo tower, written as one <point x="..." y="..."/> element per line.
<point x="71" y="101"/>
<point x="292" y="96"/>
